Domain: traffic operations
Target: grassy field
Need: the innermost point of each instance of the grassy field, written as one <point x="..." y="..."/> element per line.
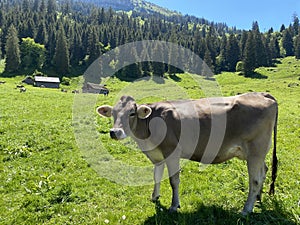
<point x="45" y="177"/>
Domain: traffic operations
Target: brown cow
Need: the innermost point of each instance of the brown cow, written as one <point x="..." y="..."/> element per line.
<point x="208" y="130"/>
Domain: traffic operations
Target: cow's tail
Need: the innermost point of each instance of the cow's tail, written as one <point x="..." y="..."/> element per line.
<point x="274" y="159"/>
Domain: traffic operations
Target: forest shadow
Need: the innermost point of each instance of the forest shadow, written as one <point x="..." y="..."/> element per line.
<point x="49" y="72"/>
<point x="131" y="79"/>
<point x="256" y="75"/>
<point x="218" y="216"/>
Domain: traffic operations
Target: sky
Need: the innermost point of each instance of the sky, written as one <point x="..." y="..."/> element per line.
<point x="238" y="13"/>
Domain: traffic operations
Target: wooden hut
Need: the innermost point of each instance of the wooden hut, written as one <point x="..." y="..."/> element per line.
<point x="95" y="88"/>
<point x="47" y="82"/>
<point x="28" y="80"/>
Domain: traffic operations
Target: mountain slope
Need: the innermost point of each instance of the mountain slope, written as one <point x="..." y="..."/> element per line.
<point x="133" y="5"/>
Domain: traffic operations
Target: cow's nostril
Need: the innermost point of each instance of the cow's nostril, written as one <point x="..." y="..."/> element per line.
<point x="113" y="134"/>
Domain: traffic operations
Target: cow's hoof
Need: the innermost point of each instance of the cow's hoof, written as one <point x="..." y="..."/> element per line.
<point x="173" y="209"/>
<point x="245" y="213"/>
<point x="155" y="199"/>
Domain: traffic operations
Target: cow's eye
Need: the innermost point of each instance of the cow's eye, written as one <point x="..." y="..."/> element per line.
<point x="132" y="114"/>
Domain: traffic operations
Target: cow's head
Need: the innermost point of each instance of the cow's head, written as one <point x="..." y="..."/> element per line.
<point x="126" y="114"/>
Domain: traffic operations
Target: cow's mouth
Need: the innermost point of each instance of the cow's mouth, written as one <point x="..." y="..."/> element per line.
<point x="117" y="134"/>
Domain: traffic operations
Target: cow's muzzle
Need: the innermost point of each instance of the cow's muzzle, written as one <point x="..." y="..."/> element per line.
<point x="117" y="134"/>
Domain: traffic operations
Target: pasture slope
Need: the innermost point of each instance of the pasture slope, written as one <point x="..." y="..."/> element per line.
<point x="45" y="180"/>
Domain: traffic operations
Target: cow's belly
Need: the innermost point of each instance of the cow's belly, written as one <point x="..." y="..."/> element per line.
<point x="223" y="155"/>
<point x="229" y="153"/>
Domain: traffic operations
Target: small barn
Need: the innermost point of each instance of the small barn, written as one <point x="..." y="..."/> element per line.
<point x="95" y="88"/>
<point x="28" y="80"/>
<point x="47" y="82"/>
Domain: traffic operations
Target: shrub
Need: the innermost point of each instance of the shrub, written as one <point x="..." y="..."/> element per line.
<point x="239" y="66"/>
<point x="66" y="81"/>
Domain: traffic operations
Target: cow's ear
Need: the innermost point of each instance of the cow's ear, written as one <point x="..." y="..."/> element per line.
<point x="104" y="110"/>
<point x="144" y="111"/>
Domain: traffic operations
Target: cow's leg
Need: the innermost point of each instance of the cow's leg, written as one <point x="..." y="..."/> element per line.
<point x="158" y="173"/>
<point x="174" y="170"/>
<point x="264" y="172"/>
<point x="256" y="171"/>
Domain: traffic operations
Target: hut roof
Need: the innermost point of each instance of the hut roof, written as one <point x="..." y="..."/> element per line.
<point x="95" y="86"/>
<point x="47" y="79"/>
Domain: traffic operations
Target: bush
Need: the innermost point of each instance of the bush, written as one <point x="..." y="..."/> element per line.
<point x="66" y="81"/>
<point x="239" y="66"/>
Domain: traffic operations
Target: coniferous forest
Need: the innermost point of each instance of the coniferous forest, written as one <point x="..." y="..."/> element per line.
<point x="63" y="38"/>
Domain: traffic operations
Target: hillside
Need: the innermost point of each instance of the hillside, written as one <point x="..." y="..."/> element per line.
<point x="133" y="5"/>
<point x="62" y="38"/>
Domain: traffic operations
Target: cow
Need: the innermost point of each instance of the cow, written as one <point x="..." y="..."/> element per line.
<point x="104" y="91"/>
<point x="75" y="91"/>
<point x="19" y="86"/>
<point x="22" y="89"/>
<point x="248" y="123"/>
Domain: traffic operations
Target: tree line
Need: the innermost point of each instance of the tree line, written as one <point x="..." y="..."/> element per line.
<point x="65" y="36"/>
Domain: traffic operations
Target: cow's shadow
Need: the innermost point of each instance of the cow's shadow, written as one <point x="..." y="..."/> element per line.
<point x="217" y="215"/>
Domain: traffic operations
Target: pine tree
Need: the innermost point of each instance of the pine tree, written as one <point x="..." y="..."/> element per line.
<point x="25" y="6"/>
<point x="61" y="57"/>
<point x="274" y="48"/>
<point x="66" y="7"/>
<point x="76" y="49"/>
<point x="197" y="43"/>
<point x="28" y="29"/>
<point x="43" y="6"/>
<point x="260" y="51"/>
<point x="297" y="46"/>
<point x="51" y="8"/>
<point x="0" y="45"/>
<point x="295" y="25"/>
<point x="36" y="5"/>
<point x="94" y="45"/>
<point x="221" y="59"/>
<point x="206" y="71"/>
<point x="2" y="17"/>
<point x="51" y="44"/>
<point x="267" y="43"/>
<point x="259" y="46"/>
<point x="249" y="57"/>
<point x="255" y="26"/>
<point x="287" y="43"/>
<point x="173" y="56"/>
<point x="42" y="34"/>
<point x="211" y="45"/>
<point x="242" y="44"/>
<point x="12" y="49"/>
<point x="282" y="28"/>
<point x="158" y="67"/>
<point x="232" y="54"/>
<point x="145" y="65"/>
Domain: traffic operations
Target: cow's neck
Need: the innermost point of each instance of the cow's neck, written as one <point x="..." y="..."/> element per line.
<point x="141" y="131"/>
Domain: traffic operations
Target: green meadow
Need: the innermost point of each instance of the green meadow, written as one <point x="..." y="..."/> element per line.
<point x="53" y="171"/>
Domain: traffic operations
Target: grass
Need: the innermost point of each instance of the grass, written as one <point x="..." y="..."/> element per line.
<point x="46" y="177"/>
